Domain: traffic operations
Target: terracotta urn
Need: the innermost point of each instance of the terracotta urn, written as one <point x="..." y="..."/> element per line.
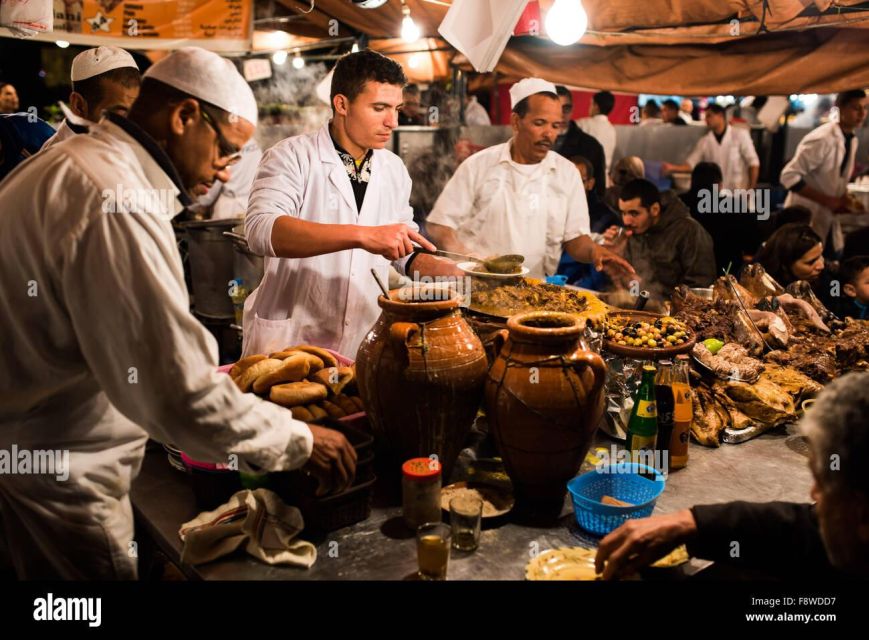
<point x="544" y="399"/>
<point x="421" y="371"/>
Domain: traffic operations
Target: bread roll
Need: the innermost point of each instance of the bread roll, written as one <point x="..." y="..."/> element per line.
<point x="301" y="413"/>
<point x="335" y="378"/>
<point x="328" y="359"/>
<point x="314" y="362"/>
<point x="293" y="369"/>
<point x="239" y="367"/>
<point x="246" y="379"/>
<point x="318" y="412"/>
<point x="333" y="410"/>
<point x="345" y="403"/>
<point x="293" y="394"/>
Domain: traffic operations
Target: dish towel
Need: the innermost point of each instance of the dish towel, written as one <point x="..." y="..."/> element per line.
<point x="257" y="520"/>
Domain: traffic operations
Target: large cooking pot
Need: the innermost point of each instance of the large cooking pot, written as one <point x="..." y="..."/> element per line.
<point x="212" y="266"/>
<point x="248" y="265"/>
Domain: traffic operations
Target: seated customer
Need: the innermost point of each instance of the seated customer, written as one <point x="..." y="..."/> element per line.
<point x="829" y="538"/>
<point x="853" y="299"/>
<point x="666" y="246"/>
<point x="601" y="217"/>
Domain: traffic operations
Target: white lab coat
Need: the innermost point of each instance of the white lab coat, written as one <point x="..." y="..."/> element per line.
<point x="601" y="129"/>
<point x="100" y="351"/>
<point x="818" y="161"/>
<point x="64" y="132"/>
<point x="229" y="199"/>
<point x="497" y="206"/>
<point x="734" y="156"/>
<point x="328" y="300"/>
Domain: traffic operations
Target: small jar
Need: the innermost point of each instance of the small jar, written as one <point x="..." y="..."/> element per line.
<point x="421" y="491"/>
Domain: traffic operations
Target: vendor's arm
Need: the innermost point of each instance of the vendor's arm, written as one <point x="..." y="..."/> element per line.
<point x="749" y="156"/>
<point x="156" y="363"/>
<point x="691" y="161"/>
<point x="808" y="158"/>
<point x="584" y="249"/>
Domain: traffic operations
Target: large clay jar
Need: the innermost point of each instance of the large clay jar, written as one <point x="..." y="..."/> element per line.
<point x="544" y="398"/>
<point x="421" y="371"/>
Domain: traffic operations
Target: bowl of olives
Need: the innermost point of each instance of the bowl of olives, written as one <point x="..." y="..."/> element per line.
<point x="646" y="335"/>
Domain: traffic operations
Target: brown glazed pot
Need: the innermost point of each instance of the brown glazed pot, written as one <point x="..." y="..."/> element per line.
<point x="421" y="371"/>
<point x="544" y="398"/>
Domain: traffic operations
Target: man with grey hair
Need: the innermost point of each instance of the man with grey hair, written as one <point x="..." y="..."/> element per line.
<point x="829" y="538"/>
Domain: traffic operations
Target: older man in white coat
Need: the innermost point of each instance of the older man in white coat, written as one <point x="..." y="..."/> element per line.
<point x="99" y="347"/>
<point x="817" y="176"/>
<point x="326" y="209"/>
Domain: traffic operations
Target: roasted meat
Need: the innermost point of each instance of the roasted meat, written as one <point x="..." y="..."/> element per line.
<point x="764" y="401"/>
<point x="775" y="331"/>
<point x="803" y="290"/>
<point x="798" y="385"/>
<point x="802" y="308"/>
<point x="723" y="289"/>
<point x="732" y="361"/>
<point x="756" y="280"/>
<point x="710" y="418"/>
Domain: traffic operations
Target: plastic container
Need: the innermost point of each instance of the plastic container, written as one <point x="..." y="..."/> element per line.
<point x="622" y="481"/>
<point x="420" y="491"/>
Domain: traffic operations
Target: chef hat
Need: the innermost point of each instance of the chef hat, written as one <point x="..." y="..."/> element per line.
<point x="93" y="62"/>
<point x="205" y="75"/>
<point x="528" y="87"/>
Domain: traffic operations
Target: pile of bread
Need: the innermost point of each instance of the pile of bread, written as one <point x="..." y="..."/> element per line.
<point x="307" y="380"/>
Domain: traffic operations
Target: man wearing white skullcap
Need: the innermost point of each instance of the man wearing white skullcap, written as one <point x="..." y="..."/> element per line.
<point x="103" y="79"/>
<point x="103" y="351"/>
<point x="520" y="196"/>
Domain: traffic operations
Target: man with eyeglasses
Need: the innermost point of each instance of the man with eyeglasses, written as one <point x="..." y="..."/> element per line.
<point x="100" y="348"/>
<point x="573" y="141"/>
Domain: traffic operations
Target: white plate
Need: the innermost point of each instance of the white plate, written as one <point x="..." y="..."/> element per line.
<point x="468" y="267"/>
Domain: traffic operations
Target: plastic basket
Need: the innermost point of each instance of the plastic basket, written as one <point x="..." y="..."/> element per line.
<point x="621" y="481"/>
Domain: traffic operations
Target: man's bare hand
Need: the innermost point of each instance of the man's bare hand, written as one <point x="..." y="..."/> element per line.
<point x="332" y="461"/>
<point x="603" y="258"/>
<point x="392" y="241"/>
<point x="639" y="543"/>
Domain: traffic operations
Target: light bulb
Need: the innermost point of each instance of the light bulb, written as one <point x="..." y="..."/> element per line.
<point x="566" y="22"/>
<point x="279" y="57"/>
<point x="354" y="48"/>
<point x="63" y="44"/>
<point x="298" y="61"/>
<point x="409" y="31"/>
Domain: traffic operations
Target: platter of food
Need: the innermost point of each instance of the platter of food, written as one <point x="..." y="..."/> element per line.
<point x="646" y="335"/>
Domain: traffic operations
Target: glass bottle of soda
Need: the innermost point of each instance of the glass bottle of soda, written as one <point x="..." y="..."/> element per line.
<point x="682" y="414"/>
<point x="665" y="401"/>
<point x="643" y="423"/>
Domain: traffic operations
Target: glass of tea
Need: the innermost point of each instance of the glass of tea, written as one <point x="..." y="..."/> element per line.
<point x="466" y="513"/>
<point x="433" y="550"/>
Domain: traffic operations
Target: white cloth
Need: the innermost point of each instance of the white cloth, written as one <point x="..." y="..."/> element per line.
<point x="93" y="62"/>
<point x="205" y="75"/>
<point x="528" y="87"/>
<point x="649" y="122"/>
<point x="229" y="199"/>
<point x="328" y="300"/>
<point x="64" y="132"/>
<point x="101" y="351"/>
<point x="475" y="114"/>
<point x="818" y="160"/>
<point x="601" y="129"/>
<point x="734" y="156"/>
<point x="497" y="206"/>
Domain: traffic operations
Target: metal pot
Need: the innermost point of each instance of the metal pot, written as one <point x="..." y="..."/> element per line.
<point x="211" y="266"/>
<point x="248" y="266"/>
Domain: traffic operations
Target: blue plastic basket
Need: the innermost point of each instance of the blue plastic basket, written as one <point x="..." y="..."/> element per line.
<point x="621" y="481"/>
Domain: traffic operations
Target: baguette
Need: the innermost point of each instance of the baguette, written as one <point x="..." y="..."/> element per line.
<point x="335" y="378"/>
<point x="293" y="394"/>
<point x="293" y="369"/>
<point x="239" y="367"/>
<point x="247" y="378"/>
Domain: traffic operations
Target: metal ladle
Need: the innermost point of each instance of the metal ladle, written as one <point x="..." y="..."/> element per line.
<point x="506" y="264"/>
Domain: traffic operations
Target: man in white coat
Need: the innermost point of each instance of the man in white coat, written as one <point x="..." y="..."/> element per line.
<point x="520" y="196"/>
<point x="103" y="79"/>
<point x="817" y="176"/>
<point x="327" y="208"/>
<point x="727" y="146"/>
<point x="100" y="350"/>
<point x="598" y="125"/>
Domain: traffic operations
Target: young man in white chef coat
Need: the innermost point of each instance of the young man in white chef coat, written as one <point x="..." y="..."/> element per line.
<point x="727" y="146"/>
<point x="327" y="208"/>
<point x="520" y="196"/>
<point x="100" y="349"/>
<point x="817" y="176"/>
<point x="103" y="79"/>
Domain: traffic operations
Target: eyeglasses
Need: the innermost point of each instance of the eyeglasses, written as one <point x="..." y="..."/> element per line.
<point x="224" y="147"/>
